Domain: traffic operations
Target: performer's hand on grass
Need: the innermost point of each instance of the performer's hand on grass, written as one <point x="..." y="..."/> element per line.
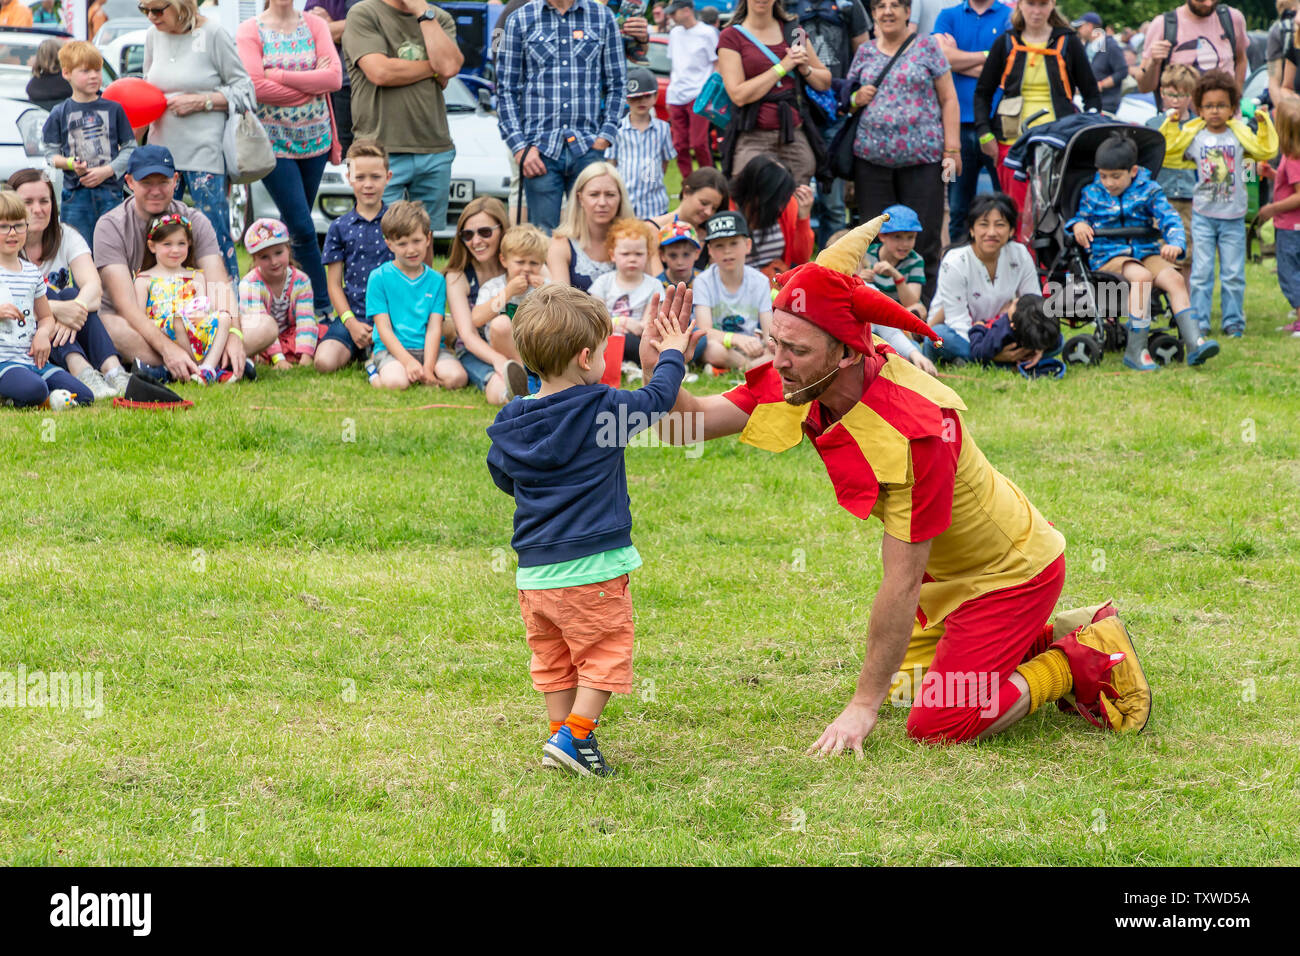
<point x="846" y="732"/>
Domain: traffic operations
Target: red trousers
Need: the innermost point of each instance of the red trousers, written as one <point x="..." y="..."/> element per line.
<point x="690" y="132"/>
<point x="968" y="684"/>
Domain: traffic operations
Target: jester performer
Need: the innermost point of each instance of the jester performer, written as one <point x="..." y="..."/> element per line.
<point x="971" y="570"/>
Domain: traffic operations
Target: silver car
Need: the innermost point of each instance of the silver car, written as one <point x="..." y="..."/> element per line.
<point x="481" y="168"/>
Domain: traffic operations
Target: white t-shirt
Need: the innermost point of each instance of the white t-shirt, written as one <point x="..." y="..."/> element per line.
<point x="71" y="245"/>
<point x="624" y="303"/>
<point x="966" y="294"/>
<point x="736" y="311"/>
<point x="22" y="289"/>
<point x="495" y="286"/>
<point x="692" y="54"/>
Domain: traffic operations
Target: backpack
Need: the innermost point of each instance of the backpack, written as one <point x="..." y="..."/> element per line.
<point x="1171" y="37"/>
<point x="1009" y="120"/>
<point x="827" y="24"/>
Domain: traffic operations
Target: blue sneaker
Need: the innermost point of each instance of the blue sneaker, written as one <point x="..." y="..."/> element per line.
<point x="1235" y="331"/>
<point x="583" y="757"/>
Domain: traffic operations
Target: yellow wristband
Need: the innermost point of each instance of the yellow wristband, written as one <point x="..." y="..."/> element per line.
<point x="727" y="340"/>
<point x="780" y="71"/>
<point x="347" y="316"/>
<point x="238" y="333"/>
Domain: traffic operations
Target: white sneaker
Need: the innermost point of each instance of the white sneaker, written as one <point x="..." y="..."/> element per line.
<point x="95" y="382"/>
<point x="117" y="379"/>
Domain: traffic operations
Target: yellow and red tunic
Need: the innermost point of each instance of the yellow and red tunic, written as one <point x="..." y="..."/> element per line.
<point x="903" y="454"/>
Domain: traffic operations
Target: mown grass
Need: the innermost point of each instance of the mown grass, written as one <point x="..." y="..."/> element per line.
<point x="311" y="649"/>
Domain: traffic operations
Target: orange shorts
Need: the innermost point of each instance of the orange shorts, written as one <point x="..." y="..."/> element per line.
<point x="580" y="636"/>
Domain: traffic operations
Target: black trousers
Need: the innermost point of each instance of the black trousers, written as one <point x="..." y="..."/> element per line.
<point x="342" y="101"/>
<point x="921" y="188"/>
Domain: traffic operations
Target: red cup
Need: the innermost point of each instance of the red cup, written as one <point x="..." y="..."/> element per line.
<point x="613" y="361"/>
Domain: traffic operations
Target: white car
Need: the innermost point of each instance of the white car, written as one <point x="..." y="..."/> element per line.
<point x="481" y="168"/>
<point x="121" y="43"/>
<point x="20" y="140"/>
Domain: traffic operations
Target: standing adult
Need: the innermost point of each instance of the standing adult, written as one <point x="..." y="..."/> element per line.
<point x="81" y="345"/>
<point x="154" y="182"/>
<point x="1036" y="65"/>
<point x="692" y="51"/>
<point x="1280" y="40"/>
<point x="965" y="33"/>
<point x="764" y="74"/>
<point x="908" y="139"/>
<point x="1109" y="66"/>
<point x="294" y="68"/>
<point x="400" y="56"/>
<point x="560" y="95"/>
<point x="47" y="12"/>
<point x="835" y="29"/>
<point x="578" y="254"/>
<point x="14" y="13"/>
<point x="192" y="60"/>
<point x="1201" y="33"/>
<point x="335" y="14"/>
<point x="925" y="14"/>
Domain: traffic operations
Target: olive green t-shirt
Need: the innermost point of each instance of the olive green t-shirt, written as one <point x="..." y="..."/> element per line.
<point x="406" y="119"/>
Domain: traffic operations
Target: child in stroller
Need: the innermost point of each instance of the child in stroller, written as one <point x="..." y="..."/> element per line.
<point x="1123" y="194"/>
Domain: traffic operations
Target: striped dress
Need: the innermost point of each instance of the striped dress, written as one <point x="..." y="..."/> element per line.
<point x="296" y="132"/>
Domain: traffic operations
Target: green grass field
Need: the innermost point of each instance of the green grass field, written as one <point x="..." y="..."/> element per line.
<point x="299" y="595"/>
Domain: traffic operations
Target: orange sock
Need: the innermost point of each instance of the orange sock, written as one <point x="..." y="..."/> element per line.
<point x="581" y="727"/>
<point x="555" y="726"/>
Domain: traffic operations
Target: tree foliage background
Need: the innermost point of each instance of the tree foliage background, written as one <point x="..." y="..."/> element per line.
<point x="1132" y="13"/>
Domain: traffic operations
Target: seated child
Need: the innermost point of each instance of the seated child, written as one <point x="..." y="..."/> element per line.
<point x="1284" y="210"/>
<point x="277" y="286"/>
<point x="354" y="248"/>
<point x="27" y="376"/>
<point x="627" y="290"/>
<point x="733" y="301"/>
<point x="679" y="250"/>
<point x="893" y="266"/>
<point x="1124" y="194"/>
<point x="572" y="523"/>
<point x="1221" y="146"/>
<point x="173" y="293"/>
<point x="1023" y="337"/>
<point x="523" y="254"/>
<point x="1177" y="175"/>
<point x="405" y="301"/>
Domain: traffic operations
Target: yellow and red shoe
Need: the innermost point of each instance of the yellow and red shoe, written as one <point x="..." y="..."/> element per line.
<point x="1110" y="690"/>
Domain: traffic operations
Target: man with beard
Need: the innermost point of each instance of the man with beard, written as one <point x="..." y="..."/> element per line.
<point x="971" y="570"/>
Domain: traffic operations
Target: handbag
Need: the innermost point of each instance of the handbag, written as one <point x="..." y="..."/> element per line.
<point x="841" y="152"/>
<point x="713" y="103"/>
<point x="245" y="145"/>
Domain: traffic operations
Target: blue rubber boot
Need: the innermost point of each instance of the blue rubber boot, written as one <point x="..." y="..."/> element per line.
<point x="1196" y="346"/>
<point x="1136" y="355"/>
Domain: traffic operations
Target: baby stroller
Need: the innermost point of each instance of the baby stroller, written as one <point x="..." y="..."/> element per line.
<point x="1060" y="160"/>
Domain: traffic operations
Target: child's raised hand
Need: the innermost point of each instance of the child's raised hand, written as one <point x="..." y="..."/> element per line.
<point x="669" y="336"/>
<point x="1170" y="253"/>
<point x="1083" y="234"/>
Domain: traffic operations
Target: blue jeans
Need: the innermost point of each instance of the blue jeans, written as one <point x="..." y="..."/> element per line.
<point x="1288" y="265"/>
<point x="208" y="195"/>
<point x="1228" y="237"/>
<point x="955" y="347"/>
<point x="423" y="178"/>
<point x="545" y="194"/>
<point x="81" y="208"/>
<point x="293" y="184"/>
<point x="963" y="189"/>
<point x="828" y="207"/>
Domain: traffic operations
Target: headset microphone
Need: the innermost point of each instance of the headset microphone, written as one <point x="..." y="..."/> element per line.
<point x="789" y="395"/>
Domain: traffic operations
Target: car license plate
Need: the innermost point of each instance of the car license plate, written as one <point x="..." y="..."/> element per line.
<point x="462" y="190"/>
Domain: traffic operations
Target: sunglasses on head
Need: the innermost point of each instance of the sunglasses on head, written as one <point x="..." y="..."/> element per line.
<point x="483" y="232"/>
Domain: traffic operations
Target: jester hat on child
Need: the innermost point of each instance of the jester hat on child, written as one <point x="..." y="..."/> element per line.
<point x="265" y="233"/>
<point x="827" y="293"/>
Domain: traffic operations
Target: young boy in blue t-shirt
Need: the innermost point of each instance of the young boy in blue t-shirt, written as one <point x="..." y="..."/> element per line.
<point x="405" y="302"/>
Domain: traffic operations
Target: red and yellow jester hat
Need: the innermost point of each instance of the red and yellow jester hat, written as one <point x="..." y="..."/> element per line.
<point x="827" y="293"/>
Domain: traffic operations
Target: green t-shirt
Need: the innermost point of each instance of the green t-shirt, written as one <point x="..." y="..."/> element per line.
<point x="567" y="574"/>
<point x="912" y="267"/>
<point x="406" y="119"/>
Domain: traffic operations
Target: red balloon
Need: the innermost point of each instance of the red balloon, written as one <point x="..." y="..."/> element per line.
<point x="142" y="101"/>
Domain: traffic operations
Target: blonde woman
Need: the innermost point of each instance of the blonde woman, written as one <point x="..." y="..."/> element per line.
<point x="578" y="253"/>
<point x="192" y="60"/>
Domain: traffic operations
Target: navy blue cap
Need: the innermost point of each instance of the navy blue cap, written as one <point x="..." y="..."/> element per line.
<point x="148" y="160"/>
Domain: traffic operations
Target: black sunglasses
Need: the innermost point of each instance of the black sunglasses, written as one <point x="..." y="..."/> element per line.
<point x="484" y="232"/>
<point x="152" y="11"/>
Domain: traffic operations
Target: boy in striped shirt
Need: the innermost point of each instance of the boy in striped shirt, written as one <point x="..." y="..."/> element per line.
<point x="643" y="147"/>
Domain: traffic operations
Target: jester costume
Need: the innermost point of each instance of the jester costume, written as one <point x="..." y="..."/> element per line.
<point x="996" y="566"/>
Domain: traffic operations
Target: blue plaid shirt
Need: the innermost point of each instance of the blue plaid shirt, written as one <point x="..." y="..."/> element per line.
<point x="557" y="73"/>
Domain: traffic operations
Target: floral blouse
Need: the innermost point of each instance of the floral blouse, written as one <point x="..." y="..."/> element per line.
<point x="902" y="125"/>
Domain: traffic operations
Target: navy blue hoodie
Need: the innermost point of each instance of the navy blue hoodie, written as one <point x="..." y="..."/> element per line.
<point x="562" y="459"/>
